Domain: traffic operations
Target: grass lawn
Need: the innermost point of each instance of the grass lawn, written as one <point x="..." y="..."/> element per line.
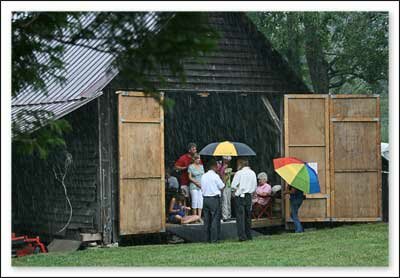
<point x="349" y="245"/>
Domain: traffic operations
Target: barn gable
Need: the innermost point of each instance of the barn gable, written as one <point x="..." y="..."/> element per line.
<point x="244" y="62"/>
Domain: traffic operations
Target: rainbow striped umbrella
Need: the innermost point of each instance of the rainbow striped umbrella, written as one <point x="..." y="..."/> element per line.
<point x="298" y="174"/>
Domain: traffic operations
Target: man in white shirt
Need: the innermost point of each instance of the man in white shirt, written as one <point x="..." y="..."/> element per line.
<point x="244" y="183"/>
<point x="211" y="187"/>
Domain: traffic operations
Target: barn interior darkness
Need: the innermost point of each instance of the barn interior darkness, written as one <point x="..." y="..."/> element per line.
<point x="219" y="117"/>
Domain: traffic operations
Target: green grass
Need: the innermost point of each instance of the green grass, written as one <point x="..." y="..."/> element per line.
<point x="349" y="245"/>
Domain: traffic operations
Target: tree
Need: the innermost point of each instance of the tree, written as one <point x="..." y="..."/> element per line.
<point x="141" y="43"/>
<point x="333" y="52"/>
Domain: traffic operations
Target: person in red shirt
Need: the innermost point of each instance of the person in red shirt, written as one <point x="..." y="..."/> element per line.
<point x="182" y="165"/>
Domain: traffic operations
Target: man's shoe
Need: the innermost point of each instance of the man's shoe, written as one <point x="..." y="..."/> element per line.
<point x="229" y="220"/>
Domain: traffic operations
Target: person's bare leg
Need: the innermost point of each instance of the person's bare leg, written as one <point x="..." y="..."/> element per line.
<point x="199" y="214"/>
<point x="179" y="218"/>
<point x="189" y="219"/>
<point x="194" y="211"/>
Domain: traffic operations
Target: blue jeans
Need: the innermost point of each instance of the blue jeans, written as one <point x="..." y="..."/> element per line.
<point x="295" y="204"/>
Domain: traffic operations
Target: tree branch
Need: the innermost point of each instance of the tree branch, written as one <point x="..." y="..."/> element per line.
<point x="34" y="18"/>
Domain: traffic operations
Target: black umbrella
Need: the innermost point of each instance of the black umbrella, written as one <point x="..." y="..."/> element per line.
<point x="227" y="148"/>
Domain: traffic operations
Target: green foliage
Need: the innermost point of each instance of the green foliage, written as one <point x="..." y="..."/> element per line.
<point x="47" y="136"/>
<point x="142" y="54"/>
<point x="31" y="37"/>
<point x="353" y="45"/>
<point x="349" y="245"/>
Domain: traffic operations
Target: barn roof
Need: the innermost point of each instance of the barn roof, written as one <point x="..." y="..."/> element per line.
<point x="87" y="72"/>
<point x="237" y="65"/>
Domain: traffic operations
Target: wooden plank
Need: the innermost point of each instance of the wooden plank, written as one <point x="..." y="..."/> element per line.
<point x="312" y="219"/>
<point x="379" y="158"/>
<point x="306" y="123"/>
<point x="282" y="149"/>
<point x="141" y="206"/>
<point x="120" y="163"/>
<point x="331" y="162"/>
<point x="100" y="207"/>
<point x="139" y="109"/>
<point x="143" y="177"/>
<point x="356" y="171"/>
<point x="266" y="222"/>
<point x="90" y="237"/>
<point x="132" y="94"/>
<point x="144" y="121"/>
<point x="271" y="112"/>
<point x="317" y="196"/>
<point x="307" y="145"/>
<point x="327" y="158"/>
<point x="354" y="145"/>
<point x="162" y="165"/>
<point x="359" y="119"/>
<point x="106" y="182"/>
<point x="306" y="96"/>
<point x="286" y="125"/>
<point x="355" y="195"/>
<point x="346" y="107"/>
<point x="313" y="208"/>
<point x="357" y="219"/>
<point x="350" y="96"/>
<point x="140" y="149"/>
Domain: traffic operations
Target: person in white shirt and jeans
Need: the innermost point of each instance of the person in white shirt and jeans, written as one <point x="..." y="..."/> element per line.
<point x="211" y="187"/>
<point x="244" y="184"/>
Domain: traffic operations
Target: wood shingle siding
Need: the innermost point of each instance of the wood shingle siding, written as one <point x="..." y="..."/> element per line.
<point x="39" y="203"/>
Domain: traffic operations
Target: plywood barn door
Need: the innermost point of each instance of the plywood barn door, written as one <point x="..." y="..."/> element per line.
<point x="356" y="162"/>
<point x="141" y="164"/>
<point x="342" y="134"/>
<point x="306" y="121"/>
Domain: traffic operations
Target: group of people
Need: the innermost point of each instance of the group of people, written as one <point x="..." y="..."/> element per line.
<point x="210" y="194"/>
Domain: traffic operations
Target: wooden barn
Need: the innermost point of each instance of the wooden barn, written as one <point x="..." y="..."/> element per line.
<point x="122" y="140"/>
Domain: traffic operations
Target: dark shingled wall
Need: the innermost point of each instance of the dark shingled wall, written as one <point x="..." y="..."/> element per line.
<point x="244" y="61"/>
<point x="39" y="205"/>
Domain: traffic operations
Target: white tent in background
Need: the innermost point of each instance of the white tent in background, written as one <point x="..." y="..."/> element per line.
<point x="385" y="150"/>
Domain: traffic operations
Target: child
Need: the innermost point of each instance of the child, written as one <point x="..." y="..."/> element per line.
<point x="177" y="211"/>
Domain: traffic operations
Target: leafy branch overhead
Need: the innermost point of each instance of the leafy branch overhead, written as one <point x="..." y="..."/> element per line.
<point x="143" y="46"/>
<point x="334" y="52"/>
<point x="331" y="49"/>
<point x="139" y="49"/>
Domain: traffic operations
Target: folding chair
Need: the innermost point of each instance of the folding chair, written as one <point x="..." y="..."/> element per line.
<point x="259" y="211"/>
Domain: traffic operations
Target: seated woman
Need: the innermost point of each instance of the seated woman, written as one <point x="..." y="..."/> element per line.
<point x="262" y="195"/>
<point x="177" y="211"/>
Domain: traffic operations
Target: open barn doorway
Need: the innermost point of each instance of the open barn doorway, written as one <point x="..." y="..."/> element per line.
<point x="211" y="117"/>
